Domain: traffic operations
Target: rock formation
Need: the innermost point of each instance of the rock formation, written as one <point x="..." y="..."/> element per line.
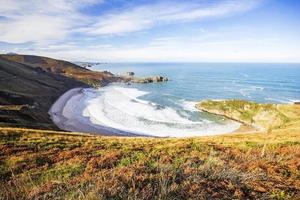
<point x="260" y="116"/>
<point x="153" y="79"/>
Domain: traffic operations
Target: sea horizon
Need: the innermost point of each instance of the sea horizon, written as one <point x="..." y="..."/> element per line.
<point x="182" y="62"/>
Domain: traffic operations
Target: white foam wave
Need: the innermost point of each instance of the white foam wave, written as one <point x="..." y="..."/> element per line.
<point x="294" y="100"/>
<point x="283" y="100"/>
<point x="277" y="100"/>
<point x="246" y="92"/>
<point x="189" y="105"/>
<point x="121" y="108"/>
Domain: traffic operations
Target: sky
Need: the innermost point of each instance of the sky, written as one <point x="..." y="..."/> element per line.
<point x="153" y="30"/>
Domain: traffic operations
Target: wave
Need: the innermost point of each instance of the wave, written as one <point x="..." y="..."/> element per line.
<point x="246" y="92"/>
<point x="282" y="100"/>
<point x="189" y="105"/>
<point x="121" y="109"/>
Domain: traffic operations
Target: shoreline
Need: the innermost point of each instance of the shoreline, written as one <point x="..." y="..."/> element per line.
<point x="58" y="117"/>
<point x="71" y="125"/>
<point x="244" y="128"/>
<point x="263" y="117"/>
<point x="56" y="109"/>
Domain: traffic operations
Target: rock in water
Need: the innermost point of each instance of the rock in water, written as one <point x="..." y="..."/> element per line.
<point x="129" y="73"/>
<point x="153" y="79"/>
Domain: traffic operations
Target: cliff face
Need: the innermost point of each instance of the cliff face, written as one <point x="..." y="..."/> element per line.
<point x="29" y="85"/>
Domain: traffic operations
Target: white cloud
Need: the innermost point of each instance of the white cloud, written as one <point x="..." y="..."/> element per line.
<point x="22" y="7"/>
<point x="179" y="50"/>
<point x="40" y="21"/>
<point x="49" y="20"/>
<point x="147" y="16"/>
<point x="33" y="28"/>
<point x="49" y="24"/>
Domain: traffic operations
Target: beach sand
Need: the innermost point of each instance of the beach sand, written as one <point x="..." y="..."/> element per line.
<point x="57" y="109"/>
<point x="62" y="116"/>
<point x="58" y="112"/>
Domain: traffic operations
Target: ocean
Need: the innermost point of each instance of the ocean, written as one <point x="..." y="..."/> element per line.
<point x="167" y="109"/>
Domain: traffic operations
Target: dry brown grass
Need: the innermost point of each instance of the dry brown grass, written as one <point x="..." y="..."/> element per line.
<point x="47" y="164"/>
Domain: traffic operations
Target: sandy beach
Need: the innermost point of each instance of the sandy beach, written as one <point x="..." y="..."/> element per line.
<point x="57" y="109"/>
<point x="71" y="113"/>
<point x="60" y="114"/>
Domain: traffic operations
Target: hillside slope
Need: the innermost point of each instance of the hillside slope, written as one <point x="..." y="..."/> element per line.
<point x="27" y="93"/>
<point x="49" y="64"/>
<point x="63" y="68"/>
<point x="29" y="85"/>
<point x="38" y="164"/>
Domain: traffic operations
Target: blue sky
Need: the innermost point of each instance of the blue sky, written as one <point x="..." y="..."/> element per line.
<point x="153" y="31"/>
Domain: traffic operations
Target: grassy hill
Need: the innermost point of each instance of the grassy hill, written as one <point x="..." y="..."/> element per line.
<point x="260" y="116"/>
<point x="46" y="164"/>
<point x="29" y="85"/>
<point x="63" y="68"/>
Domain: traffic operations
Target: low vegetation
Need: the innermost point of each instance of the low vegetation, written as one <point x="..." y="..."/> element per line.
<point x="260" y="116"/>
<point x="38" y="164"/>
<point x="63" y="68"/>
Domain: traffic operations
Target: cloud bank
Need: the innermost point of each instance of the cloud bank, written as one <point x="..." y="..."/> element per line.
<point x="42" y="21"/>
<point x="138" y="30"/>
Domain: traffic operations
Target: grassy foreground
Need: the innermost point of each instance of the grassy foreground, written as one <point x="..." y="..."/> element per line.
<point x="46" y="165"/>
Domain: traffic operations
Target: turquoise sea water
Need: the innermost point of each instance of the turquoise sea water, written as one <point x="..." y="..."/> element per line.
<point x="274" y="83"/>
<point x="167" y="109"/>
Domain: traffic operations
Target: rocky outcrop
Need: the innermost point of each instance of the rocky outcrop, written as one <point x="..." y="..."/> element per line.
<point x="129" y="74"/>
<point x="260" y="116"/>
<point x="152" y="79"/>
<point x="130" y="77"/>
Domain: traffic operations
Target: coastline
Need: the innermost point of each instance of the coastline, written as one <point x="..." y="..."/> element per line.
<point x="263" y="117"/>
<point x="58" y="113"/>
<point x="245" y="129"/>
<point x="245" y="125"/>
<point x="57" y="110"/>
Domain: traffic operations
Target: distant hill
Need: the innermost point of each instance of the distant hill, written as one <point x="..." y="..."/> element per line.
<point x="29" y="85"/>
<point x="63" y="68"/>
<point x="49" y="64"/>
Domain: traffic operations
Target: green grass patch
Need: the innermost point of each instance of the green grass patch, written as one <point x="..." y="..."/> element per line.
<point x="61" y="172"/>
